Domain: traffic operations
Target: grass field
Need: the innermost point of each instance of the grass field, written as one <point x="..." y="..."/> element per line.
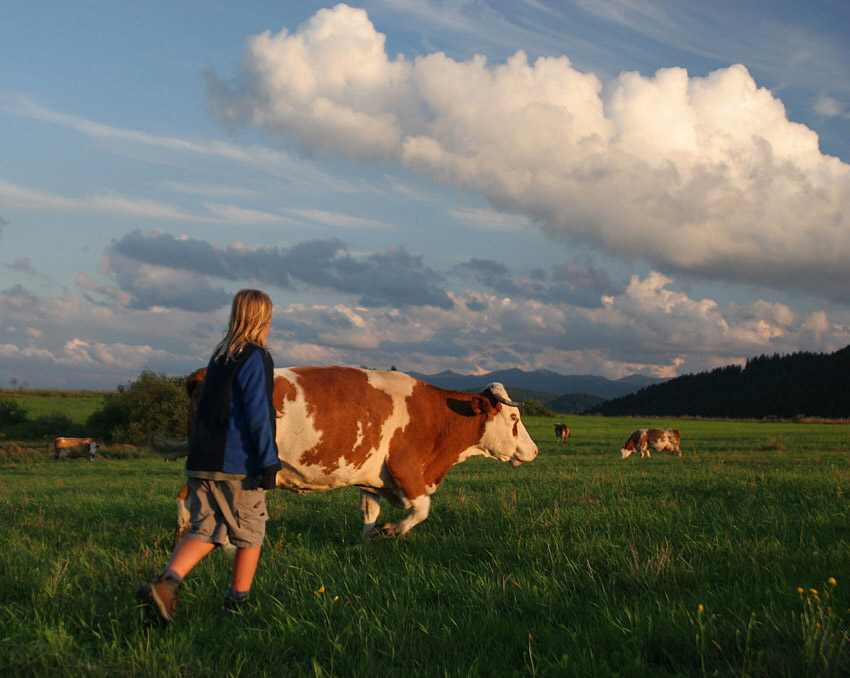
<point x="76" y="406"/>
<point x="577" y="564"/>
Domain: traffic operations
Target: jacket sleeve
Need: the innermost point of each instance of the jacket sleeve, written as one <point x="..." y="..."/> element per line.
<point x="253" y="382"/>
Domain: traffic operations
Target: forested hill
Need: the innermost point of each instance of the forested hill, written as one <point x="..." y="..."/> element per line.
<point x="810" y="384"/>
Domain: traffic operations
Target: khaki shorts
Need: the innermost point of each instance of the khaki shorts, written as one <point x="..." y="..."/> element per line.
<point x="227" y="509"/>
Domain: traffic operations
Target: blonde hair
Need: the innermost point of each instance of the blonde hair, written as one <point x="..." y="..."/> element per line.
<point x="249" y="313"/>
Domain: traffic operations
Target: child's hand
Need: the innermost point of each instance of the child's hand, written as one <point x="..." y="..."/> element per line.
<point x="269" y="479"/>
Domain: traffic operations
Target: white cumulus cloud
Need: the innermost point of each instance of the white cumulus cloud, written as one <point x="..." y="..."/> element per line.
<point x="705" y="175"/>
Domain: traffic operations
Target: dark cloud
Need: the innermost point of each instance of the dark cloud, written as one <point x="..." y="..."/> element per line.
<point x="441" y="346"/>
<point x="496" y="276"/>
<point x="477" y="306"/>
<point x="19" y="292"/>
<point x="393" y="277"/>
<point x="506" y="357"/>
<point x="168" y="288"/>
<point x="163" y="249"/>
<point x="581" y="285"/>
<point x="390" y="278"/>
<point x="569" y="283"/>
<point x="21" y="266"/>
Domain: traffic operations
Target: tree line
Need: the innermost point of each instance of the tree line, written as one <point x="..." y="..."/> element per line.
<point x="781" y="386"/>
<point x="152" y="403"/>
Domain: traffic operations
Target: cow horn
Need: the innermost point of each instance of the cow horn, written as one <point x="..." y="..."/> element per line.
<point x="500" y="398"/>
<point x="506" y="401"/>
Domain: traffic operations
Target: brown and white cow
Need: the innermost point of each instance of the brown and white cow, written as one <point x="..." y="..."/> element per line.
<point x="657" y="439"/>
<point x="386" y="433"/>
<point x="71" y="448"/>
<point x="562" y="432"/>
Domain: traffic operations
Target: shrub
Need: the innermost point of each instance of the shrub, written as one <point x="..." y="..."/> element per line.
<point x="534" y="408"/>
<point x="14" y="453"/>
<point x="11" y="412"/>
<point x="49" y="426"/>
<point x="152" y="403"/>
<point x="113" y="416"/>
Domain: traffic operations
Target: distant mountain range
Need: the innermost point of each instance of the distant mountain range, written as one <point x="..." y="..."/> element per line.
<point x="544" y="381"/>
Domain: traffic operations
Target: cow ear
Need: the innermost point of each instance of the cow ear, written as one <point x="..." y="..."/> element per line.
<point x="480" y="404"/>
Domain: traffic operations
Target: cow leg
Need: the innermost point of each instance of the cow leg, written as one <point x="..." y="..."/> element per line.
<point x="370" y="506"/>
<point x="419" y="512"/>
<point x="183" y="522"/>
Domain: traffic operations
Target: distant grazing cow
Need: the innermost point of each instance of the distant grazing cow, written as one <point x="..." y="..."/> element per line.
<point x="562" y="432"/>
<point x="656" y="438"/>
<point x="70" y="448"/>
<point x="390" y="435"/>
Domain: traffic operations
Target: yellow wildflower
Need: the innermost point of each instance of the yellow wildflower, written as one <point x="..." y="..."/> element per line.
<point x="321" y="590"/>
<point x="800" y="590"/>
<point x="814" y="592"/>
<point x="832" y="581"/>
<point x="701" y="608"/>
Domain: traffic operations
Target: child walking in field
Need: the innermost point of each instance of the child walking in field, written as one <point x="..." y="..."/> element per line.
<point x="232" y="459"/>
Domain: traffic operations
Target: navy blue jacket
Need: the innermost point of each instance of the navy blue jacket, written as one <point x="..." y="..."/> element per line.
<point x="235" y="422"/>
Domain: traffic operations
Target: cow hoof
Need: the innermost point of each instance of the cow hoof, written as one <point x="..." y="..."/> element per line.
<point x="382" y="531"/>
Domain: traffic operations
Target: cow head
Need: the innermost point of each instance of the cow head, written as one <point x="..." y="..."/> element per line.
<point x="630" y="446"/>
<point x="505" y="437"/>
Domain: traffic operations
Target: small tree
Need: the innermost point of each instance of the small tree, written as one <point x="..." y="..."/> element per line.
<point x="11" y="412"/>
<point x="152" y="403"/>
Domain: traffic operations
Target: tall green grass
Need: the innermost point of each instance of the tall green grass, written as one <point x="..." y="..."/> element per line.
<point x="577" y="564"/>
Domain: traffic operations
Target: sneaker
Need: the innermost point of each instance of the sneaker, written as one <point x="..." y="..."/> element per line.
<point x="232" y="604"/>
<point x="160" y="598"/>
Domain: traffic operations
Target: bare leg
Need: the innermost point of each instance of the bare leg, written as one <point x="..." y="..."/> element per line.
<point x="244" y="567"/>
<point x="188" y="554"/>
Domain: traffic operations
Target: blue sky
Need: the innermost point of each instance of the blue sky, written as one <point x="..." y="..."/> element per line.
<point x="603" y="187"/>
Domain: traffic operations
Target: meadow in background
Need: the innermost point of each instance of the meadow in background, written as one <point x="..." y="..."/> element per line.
<point x="731" y="560"/>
